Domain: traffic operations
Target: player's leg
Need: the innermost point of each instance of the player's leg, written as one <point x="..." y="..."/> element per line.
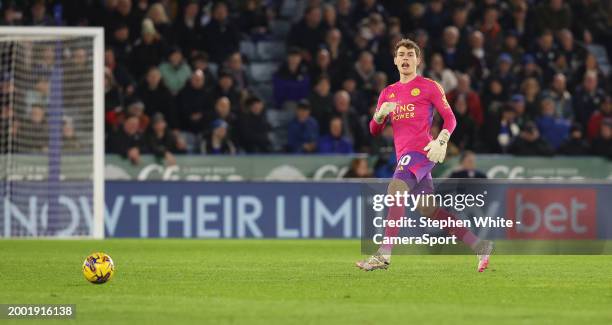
<point x="482" y="248"/>
<point x="401" y="183"/>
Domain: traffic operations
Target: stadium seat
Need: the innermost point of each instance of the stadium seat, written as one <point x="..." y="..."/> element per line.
<point x="262" y="71"/>
<point x="265" y="92"/>
<point x="272" y="51"/>
<point x="248" y="48"/>
<point x="289" y="8"/>
<point x="214" y="68"/>
<point x="280" y="28"/>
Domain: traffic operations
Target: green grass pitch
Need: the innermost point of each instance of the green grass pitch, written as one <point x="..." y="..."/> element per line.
<point x="300" y="282"/>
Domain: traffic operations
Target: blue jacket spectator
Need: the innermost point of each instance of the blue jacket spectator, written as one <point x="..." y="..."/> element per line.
<point x="303" y="131"/>
<point x="553" y="129"/>
<point x="291" y="81"/>
<point x="334" y="142"/>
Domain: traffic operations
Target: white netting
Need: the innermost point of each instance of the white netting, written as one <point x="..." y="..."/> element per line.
<point x="46" y="135"/>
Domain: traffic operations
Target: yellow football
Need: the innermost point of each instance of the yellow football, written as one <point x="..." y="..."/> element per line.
<point x="98" y="268"/>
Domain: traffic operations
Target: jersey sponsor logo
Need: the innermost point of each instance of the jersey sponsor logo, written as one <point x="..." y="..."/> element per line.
<point x="415" y="92"/>
<point x="403" y="111"/>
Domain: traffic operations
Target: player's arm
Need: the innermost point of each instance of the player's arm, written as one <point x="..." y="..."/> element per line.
<point x="436" y="149"/>
<point x="383" y="108"/>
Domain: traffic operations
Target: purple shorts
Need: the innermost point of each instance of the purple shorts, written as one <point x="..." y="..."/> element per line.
<point x="415" y="169"/>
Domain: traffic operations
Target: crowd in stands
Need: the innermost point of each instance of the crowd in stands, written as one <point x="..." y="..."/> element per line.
<point x="523" y="77"/>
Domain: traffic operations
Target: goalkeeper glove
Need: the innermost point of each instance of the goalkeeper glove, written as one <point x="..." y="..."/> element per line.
<point x="436" y="149"/>
<point x="385" y="109"/>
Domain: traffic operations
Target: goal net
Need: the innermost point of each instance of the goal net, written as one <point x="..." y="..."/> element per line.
<point x="51" y="132"/>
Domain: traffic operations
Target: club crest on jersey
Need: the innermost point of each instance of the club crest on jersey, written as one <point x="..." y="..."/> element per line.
<point x="415" y="92"/>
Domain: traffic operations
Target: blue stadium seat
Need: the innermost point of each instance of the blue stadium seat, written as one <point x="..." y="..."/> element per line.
<point x="272" y="51"/>
<point x="248" y="48"/>
<point x="262" y="71"/>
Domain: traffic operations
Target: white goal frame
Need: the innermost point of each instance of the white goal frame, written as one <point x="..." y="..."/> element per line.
<point x="97" y="33"/>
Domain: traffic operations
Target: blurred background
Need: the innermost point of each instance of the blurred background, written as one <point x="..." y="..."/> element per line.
<point x="187" y="81"/>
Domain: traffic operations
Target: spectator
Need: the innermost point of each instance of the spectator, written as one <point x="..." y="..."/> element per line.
<point x="587" y="98"/>
<point x="338" y="54"/>
<point x="467" y="169"/>
<point x="491" y="29"/>
<point x="234" y="66"/>
<point x="128" y="141"/>
<point x="291" y="81"/>
<point x="157" y="98"/>
<point x="255" y="19"/>
<point x="121" y="44"/>
<point x="308" y="33"/>
<point x="322" y="101"/>
<point x="518" y="104"/>
<point x="604" y="113"/>
<point x="223" y="111"/>
<point x="33" y="132"/>
<point x="113" y="101"/>
<point x="303" y="131"/>
<point x="529" y="143"/>
<point x="554" y="15"/>
<point x="70" y="142"/>
<point x="334" y="142"/>
<point x="199" y="61"/>
<point x="188" y="29"/>
<point x="575" y="145"/>
<point x="573" y="53"/>
<point x="363" y="72"/>
<point x="159" y="17"/>
<point x="602" y="145"/>
<point x="125" y="15"/>
<point x="218" y="142"/>
<point x="352" y="130"/>
<point x="175" y="72"/>
<point x="503" y="72"/>
<point x="226" y="87"/>
<point x="513" y="47"/>
<point x="546" y="54"/>
<point x="359" y="169"/>
<point x="472" y="98"/>
<point x="530" y="89"/>
<point x="561" y="97"/>
<point x="465" y="134"/>
<point x="445" y="77"/>
<point x="161" y="142"/>
<point x="253" y="128"/>
<point x="148" y="50"/>
<point x="357" y="97"/>
<point x="501" y="132"/>
<point x="38" y="15"/>
<point x="529" y="69"/>
<point x="194" y="103"/>
<point x="221" y="37"/>
<point x="322" y="66"/>
<point x="119" y="71"/>
<point x="476" y="62"/>
<point x="454" y="58"/>
<point x="554" y="130"/>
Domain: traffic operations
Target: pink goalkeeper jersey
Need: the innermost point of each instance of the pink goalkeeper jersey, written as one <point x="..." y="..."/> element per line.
<point x="412" y="118"/>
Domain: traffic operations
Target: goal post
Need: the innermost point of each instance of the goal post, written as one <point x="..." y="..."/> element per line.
<point x="52" y="132"/>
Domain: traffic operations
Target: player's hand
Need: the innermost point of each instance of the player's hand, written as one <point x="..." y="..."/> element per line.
<point x="436" y="149"/>
<point x="383" y="111"/>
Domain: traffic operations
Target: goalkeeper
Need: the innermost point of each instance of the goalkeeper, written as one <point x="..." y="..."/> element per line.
<point x="409" y="106"/>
